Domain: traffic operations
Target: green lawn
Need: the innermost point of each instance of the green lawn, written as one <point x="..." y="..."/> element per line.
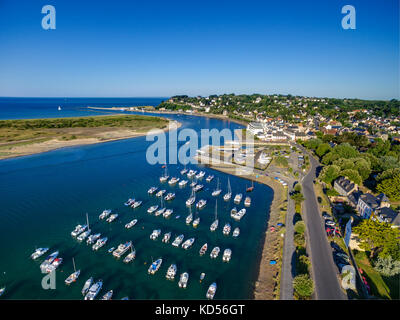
<point x="381" y="287"/>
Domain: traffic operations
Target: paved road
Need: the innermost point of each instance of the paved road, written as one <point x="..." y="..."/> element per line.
<point x="327" y="285"/>
<point x="288" y="258"/>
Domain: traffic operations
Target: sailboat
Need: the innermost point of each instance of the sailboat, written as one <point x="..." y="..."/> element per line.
<point x="162" y="208"/>
<point x="250" y="189"/>
<point x="165" y="176"/>
<point x="228" y="195"/>
<point x="59" y="108"/>
<point x="85" y="234"/>
<point x="73" y="276"/>
<point x="214" y="225"/>
<point x="217" y="191"/>
<point x="189" y="218"/>
<point x="192" y="199"/>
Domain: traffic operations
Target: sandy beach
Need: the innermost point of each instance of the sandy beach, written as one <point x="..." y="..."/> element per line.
<point x="272" y="243"/>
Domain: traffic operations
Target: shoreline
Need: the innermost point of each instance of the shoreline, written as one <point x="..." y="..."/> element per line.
<point x="264" y="287"/>
<point x="55" y="144"/>
<point x="205" y="115"/>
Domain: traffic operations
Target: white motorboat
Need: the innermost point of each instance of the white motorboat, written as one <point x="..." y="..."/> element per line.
<point x="155" y="234"/>
<point x="183" y="280"/>
<point x="238" y="198"/>
<point x="201" y="204"/>
<point x="203" y="249"/>
<point x="94" y="290"/>
<point x="211" y="291"/>
<point x="152" y="190"/>
<point x="152" y="209"/>
<point x="183" y="183"/>
<point x="136" y="204"/>
<point x="106" y="213"/>
<point x="131" y="224"/>
<point x="227" y="229"/>
<point x="226" y="257"/>
<point x="188" y="243"/>
<point x="178" y="240"/>
<point x="210" y="178"/>
<point x="87" y="285"/>
<point x="166" y="237"/>
<point x="236" y="233"/>
<point x="100" y="243"/>
<point x="112" y="217"/>
<point x="247" y="201"/>
<point x="171" y="272"/>
<point x="161" y="193"/>
<point x="196" y="222"/>
<point x="168" y="213"/>
<point x="39" y="252"/>
<point x="122" y="249"/>
<point x="215" y="252"/>
<point x="155" y="266"/>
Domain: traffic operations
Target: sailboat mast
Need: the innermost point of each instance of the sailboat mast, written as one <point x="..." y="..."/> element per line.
<point x="73" y="262"/>
<point x="87" y="221"/>
<point x="216" y="204"/>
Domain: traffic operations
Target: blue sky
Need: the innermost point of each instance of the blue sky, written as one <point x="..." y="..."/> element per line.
<point x="150" y="48"/>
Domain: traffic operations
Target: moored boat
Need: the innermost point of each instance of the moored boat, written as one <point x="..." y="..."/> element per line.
<point x="173" y="180"/>
<point x="201" y="204"/>
<point x="215" y="252"/>
<point x="238" y="198"/>
<point x="129" y="202"/>
<point x="236" y="232"/>
<point x="130" y="256"/>
<point x="106" y="213"/>
<point x="211" y="291"/>
<point x="93" y="238"/>
<point x="39" y="252"/>
<point x="247" y="201"/>
<point x="196" y="222"/>
<point x="87" y="285"/>
<point x="171" y="272"/>
<point x="183" y="280"/>
<point x="136" y="204"/>
<point x="122" y="248"/>
<point x="74" y="276"/>
<point x="100" y="243"/>
<point x="108" y="295"/>
<point x="166" y="237"/>
<point x="188" y="243"/>
<point x="168" y="213"/>
<point x="154" y="235"/>
<point x="227" y="229"/>
<point x="203" y="249"/>
<point x="226" y="257"/>
<point x="152" y="190"/>
<point x="155" y="266"/>
<point x="112" y="217"/>
<point x="228" y="195"/>
<point x="178" y="240"/>
<point x="183" y="183"/>
<point x="131" y="224"/>
<point x="170" y="196"/>
<point x="152" y="209"/>
<point x="209" y="178"/>
<point x="94" y="290"/>
<point x="161" y="193"/>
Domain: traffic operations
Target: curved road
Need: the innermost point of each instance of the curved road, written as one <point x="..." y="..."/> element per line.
<point x="324" y="271"/>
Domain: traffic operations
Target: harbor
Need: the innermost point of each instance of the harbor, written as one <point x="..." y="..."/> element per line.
<point x="55" y="212"/>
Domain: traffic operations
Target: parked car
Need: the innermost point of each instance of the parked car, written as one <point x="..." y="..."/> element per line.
<point x="330" y="223"/>
<point x="326" y="216"/>
<point x="335" y="246"/>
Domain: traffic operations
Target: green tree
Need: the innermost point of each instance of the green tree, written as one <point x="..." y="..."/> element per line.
<point x="323" y="149"/>
<point x="303" y="286"/>
<point x="330" y="173"/>
<point x="390" y="187"/>
<point x="352" y="175"/>
<point x="379" y="238"/>
<point x="387" y="266"/>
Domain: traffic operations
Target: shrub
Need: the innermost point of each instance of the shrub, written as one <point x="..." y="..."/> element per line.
<point x="302" y="264"/>
<point x="303" y="286"/>
<point x="299" y="240"/>
<point x="387" y="266"/>
<point x="299" y="227"/>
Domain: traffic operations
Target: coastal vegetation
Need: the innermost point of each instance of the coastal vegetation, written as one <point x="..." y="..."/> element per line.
<point x="17" y="136"/>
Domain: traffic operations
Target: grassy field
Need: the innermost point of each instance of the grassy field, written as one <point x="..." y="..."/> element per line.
<point x="381" y="287"/>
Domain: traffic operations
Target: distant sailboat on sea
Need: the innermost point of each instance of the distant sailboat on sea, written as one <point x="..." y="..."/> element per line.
<point x="59" y="108"/>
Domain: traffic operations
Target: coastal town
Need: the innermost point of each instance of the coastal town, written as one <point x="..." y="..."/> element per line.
<point x="353" y="151"/>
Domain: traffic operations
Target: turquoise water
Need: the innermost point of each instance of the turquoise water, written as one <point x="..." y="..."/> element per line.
<point x="44" y="196"/>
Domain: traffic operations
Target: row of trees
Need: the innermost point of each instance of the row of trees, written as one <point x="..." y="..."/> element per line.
<point x="359" y="160"/>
